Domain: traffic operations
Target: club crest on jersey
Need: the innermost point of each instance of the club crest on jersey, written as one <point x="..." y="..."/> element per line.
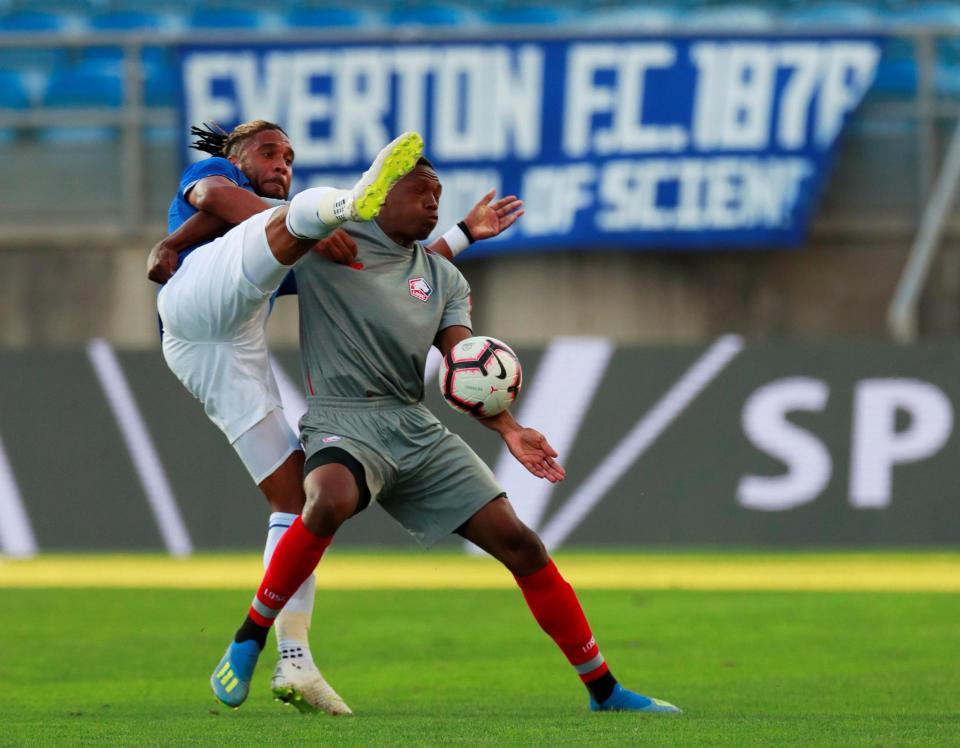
<point x="420" y="289"/>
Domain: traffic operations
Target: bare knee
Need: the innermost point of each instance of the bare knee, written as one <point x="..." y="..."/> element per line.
<point x="332" y="497"/>
<point x="521" y="550"/>
<point x="283" y="488"/>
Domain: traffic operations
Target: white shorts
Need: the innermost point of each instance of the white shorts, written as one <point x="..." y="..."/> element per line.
<point x="265" y="446"/>
<point x="214" y="311"/>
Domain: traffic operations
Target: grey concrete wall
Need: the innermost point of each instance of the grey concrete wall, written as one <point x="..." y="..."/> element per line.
<point x="65" y="295"/>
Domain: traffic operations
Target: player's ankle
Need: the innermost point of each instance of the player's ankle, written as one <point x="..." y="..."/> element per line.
<point x="250" y="629"/>
<point x="601" y="688"/>
<point x="313" y="213"/>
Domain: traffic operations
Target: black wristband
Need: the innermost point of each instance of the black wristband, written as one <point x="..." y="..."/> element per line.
<point x="462" y="225"/>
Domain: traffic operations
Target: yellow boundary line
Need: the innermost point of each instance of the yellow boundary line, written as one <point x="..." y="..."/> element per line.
<point x="932" y="572"/>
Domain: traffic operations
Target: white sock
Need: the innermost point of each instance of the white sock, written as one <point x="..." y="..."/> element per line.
<point x="318" y="211"/>
<point x="293" y="623"/>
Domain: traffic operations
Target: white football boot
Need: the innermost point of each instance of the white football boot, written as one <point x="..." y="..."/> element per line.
<point x="297" y="681"/>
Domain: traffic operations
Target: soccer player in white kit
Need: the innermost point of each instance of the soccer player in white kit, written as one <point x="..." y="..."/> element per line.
<point x="214" y="310"/>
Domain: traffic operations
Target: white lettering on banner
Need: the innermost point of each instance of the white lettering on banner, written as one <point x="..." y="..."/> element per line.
<point x="310" y="107"/>
<point x="484" y="104"/>
<point x="361" y="102"/>
<point x="734" y="104"/>
<point x="335" y="104"/>
<point x="553" y="195"/>
<point x="808" y="462"/>
<point x="724" y="193"/>
<point x="805" y="60"/>
<point x="483" y="101"/>
<point x="412" y="65"/>
<point x="201" y="72"/>
<point x="623" y="101"/>
<point x="877" y="445"/>
<point x="518" y="103"/>
<point x="462" y="99"/>
<point x="849" y="73"/>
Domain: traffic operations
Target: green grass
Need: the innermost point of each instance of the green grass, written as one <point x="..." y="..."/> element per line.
<point x="130" y="667"/>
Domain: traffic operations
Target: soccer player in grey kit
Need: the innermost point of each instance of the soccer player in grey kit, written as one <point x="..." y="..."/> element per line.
<point x="368" y="437"/>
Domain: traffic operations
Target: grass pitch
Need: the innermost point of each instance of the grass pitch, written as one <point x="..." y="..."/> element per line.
<point x="751" y="667"/>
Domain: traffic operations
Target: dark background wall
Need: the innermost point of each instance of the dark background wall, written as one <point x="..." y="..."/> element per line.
<point x="80" y="487"/>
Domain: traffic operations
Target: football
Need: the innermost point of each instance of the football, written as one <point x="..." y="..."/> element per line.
<point x="480" y="376"/>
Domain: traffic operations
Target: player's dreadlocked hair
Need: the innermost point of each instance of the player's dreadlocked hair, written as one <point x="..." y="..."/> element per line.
<point x="213" y="139"/>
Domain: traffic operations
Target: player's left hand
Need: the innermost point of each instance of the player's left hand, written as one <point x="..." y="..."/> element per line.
<point x="490" y="217"/>
<point x="161" y="263"/>
<point x="532" y="450"/>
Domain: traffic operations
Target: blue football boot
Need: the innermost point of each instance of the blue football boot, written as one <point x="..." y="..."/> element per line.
<point x="231" y="678"/>
<point x="622" y="700"/>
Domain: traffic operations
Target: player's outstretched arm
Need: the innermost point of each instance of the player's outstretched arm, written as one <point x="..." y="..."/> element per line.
<point x="197" y="229"/>
<point x="529" y="446"/>
<point x="221" y="197"/>
<point x="487" y="219"/>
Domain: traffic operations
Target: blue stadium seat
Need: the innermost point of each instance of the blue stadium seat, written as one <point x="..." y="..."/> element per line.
<point x="155" y="6"/>
<point x="937" y="14"/>
<point x="81" y="7"/>
<point x="639" y="17"/>
<point x="160" y="86"/>
<point x="533" y="15"/>
<point x="730" y="17"/>
<point x="226" y="19"/>
<point x="430" y="15"/>
<point x="839" y="14"/>
<point x="317" y="18"/>
<point x="40" y="58"/>
<point x="82" y="86"/>
<point x="947" y="80"/>
<point x="37" y="22"/>
<point x="131" y="20"/>
<point x="14" y="93"/>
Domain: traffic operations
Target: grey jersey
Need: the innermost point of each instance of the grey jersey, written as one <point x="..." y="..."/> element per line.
<point x="366" y="332"/>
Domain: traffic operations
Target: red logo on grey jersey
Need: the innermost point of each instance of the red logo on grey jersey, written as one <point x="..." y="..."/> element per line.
<point x="419" y="289"/>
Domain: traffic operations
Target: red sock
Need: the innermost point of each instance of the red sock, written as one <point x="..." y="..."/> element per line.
<point x="294" y="559"/>
<point x="555" y="606"/>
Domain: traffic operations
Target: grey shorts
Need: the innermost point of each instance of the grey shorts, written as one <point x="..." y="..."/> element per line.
<point x="425" y="476"/>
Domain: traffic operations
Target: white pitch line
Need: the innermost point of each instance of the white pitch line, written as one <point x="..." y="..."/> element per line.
<point x="147" y="464"/>
<point x="640" y="438"/>
<point x="16" y="534"/>
<point x="294" y="402"/>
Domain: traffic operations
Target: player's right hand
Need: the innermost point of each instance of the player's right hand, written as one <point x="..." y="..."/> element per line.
<point x="161" y="263"/>
<point x="339" y="247"/>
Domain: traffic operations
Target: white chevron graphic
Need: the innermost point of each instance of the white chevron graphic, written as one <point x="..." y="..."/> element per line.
<point x="16" y="534"/>
<point x="640" y="438"/>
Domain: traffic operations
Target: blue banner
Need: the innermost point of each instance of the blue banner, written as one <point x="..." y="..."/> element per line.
<point x="617" y="143"/>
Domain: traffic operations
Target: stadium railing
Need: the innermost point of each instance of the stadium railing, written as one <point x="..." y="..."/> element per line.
<point x="916" y="97"/>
